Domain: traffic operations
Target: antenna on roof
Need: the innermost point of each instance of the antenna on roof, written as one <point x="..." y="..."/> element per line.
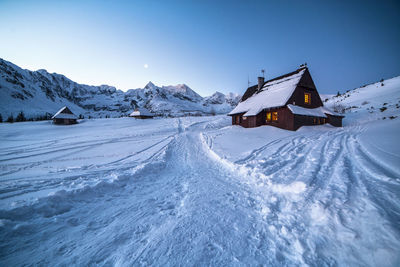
<point x="263" y="73"/>
<point x="248" y="81"/>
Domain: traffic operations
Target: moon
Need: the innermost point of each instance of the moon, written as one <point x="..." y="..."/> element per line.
<point x="146" y="66"/>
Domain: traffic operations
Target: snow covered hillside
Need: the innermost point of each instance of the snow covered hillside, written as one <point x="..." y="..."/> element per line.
<point x="377" y="101"/>
<point x="39" y="92"/>
<point x="198" y="191"/>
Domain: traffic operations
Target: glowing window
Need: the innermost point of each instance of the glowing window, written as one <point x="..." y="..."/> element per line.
<point x="307" y="98"/>
<point x="275" y="116"/>
<point x="268" y="116"/>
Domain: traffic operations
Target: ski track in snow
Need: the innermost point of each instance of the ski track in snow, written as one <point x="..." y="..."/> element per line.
<point x="183" y="204"/>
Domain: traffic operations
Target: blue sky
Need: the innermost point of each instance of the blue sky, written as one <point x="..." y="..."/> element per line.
<point x="209" y="45"/>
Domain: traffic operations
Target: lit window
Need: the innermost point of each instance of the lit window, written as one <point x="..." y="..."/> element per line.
<point x="307" y="98"/>
<point x="244" y="118"/>
<point x="268" y="116"/>
<point x="275" y="116"/>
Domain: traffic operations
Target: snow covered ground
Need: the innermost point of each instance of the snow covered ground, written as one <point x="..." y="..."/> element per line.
<point x="198" y="191"/>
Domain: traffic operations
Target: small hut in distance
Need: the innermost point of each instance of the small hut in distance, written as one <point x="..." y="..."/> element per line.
<point x="64" y="116"/>
<point x="141" y="113"/>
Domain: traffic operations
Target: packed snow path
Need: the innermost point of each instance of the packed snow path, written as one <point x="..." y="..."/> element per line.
<point x="308" y="198"/>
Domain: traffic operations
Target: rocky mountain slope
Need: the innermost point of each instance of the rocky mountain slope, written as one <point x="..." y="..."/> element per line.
<point x="37" y="93"/>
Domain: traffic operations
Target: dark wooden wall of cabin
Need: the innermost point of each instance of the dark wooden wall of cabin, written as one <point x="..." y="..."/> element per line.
<point x="306" y="85"/>
<point x="142" y="117"/>
<point x="247" y="122"/>
<point x="300" y="120"/>
<point x="64" y="121"/>
<point x="285" y="118"/>
<point x="251" y="122"/>
<point x="307" y="81"/>
<point x="298" y="98"/>
<point x="335" y="120"/>
<point x="238" y="119"/>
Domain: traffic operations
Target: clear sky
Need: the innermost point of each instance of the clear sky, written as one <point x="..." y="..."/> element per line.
<point x="209" y="45"/>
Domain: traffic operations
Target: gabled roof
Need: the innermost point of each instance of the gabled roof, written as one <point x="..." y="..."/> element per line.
<point x="64" y="113"/>
<point x="141" y="112"/>
<point x="274" y="93"/>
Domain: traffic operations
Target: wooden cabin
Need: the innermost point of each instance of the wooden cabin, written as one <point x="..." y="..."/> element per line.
<point x="141" y="113"/>
<point x="288" y="102"/>
<point x="64" y="116"/>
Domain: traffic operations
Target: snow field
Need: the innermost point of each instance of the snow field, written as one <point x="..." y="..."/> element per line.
<point x="344" y="193"/>
<point x="198" y="191"/>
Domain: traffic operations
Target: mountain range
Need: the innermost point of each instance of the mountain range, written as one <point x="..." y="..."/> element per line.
<point x="38" y="93"/>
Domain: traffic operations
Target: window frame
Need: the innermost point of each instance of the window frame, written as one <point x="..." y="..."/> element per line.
<point x="268" y="116"/>
<point x="275" y="116"/>
<point x="308" y="97"/>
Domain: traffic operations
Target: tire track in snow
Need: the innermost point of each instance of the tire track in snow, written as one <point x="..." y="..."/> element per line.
<point x="381" y="185"/>
<point x="48" y="184"/>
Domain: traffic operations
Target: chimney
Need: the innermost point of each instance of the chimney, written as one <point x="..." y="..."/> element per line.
<point x="260" y="82"/>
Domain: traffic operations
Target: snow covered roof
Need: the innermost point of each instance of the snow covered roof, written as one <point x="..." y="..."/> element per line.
<point x="315" y="112"/>
<point x="274" y="93"/>
<point x="141" y="112"/>
<point x="64" y="113"/>
<point x="330" y="112"/>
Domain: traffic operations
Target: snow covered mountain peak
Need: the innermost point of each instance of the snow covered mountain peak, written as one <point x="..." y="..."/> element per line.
<point x="150" y="86"/>
<point x="107" y="88"/>
<point x="183" y="90"/>
<point x="43" y="71"/>
<point x="218" y="94"/>
<point x="219" y="98"/>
